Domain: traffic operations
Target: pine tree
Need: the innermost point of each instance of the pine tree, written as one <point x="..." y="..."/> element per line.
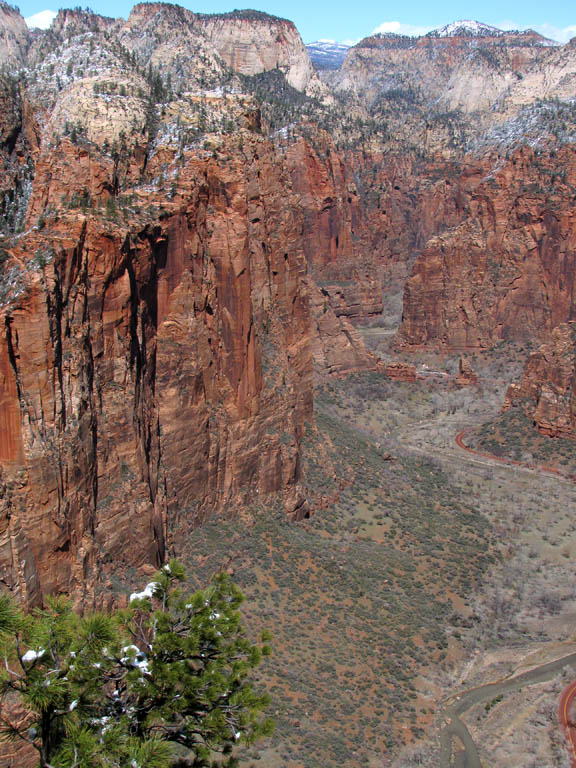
<point x="166" y="679"/>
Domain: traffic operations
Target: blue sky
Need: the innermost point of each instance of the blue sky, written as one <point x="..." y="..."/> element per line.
<point x="350" y="21"/>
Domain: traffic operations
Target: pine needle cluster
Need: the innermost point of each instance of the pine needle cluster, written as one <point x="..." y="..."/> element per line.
<point x="165" y="682"/>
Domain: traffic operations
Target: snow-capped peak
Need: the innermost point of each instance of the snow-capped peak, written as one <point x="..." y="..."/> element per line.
<point x="328" y="45"/>
<point x="327" y="54"/>
<point x="466" y="28"/>
<point x="470" y="28"/>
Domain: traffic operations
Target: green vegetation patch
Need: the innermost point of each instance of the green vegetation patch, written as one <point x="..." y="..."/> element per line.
<point x="358" y="597"/>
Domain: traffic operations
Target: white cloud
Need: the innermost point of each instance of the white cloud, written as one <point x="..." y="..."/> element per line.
<point x="561" y="34"/>
<point x="398" y="28"/>
<point x="40" y="20"/>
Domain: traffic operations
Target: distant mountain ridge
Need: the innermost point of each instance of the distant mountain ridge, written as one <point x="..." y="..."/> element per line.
<point x="466" y="66"/>
<point x="467" y="28"/>
<point x="330" y="54"/>
<point x="471" y="28"/>
<point x="327" y="54"/>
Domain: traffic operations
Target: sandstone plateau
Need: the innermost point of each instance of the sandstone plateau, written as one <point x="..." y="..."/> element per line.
<point x="492" y="70"/>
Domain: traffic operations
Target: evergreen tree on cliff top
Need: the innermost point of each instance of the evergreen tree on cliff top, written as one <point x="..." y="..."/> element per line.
<point x="164" y="682"/>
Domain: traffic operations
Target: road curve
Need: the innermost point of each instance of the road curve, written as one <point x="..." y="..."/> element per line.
<point x="464" y="701"/>
<point x="457" y="748"/>
<point x="473" y="457"/>
<point x="459" y="439"/>
<point x="567" y="721"/>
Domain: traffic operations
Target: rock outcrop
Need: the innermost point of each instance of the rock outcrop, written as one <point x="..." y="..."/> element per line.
<point x="14" y="37"/>
<point x="466" y="374"/>
<point x="507" y="271"/>
<point x="399" y="371"/>
<point x="547" y="391"/>
<point x="250" y="42"/>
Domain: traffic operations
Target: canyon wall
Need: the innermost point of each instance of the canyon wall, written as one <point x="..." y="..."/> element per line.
<point x="366" y="215"/>
<point x="547" y="391"/>
<point x="156" y="358"/>
<point x="174" y="279"/>
<point x="507" y="270"/>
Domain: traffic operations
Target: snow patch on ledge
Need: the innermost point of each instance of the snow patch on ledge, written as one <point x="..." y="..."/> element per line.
<point x="148" y="591"/>
<point x="466" y="27"/>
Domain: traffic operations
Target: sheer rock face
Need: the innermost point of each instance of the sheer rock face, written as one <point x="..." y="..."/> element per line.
<point x="507" y="271"/>
<point x="250" y="42"/>
<point x="364" y="217"/>
<point x="547" y="392"/>
<point x="156" y="364"/>
<point x="336" y="230"/>
<point x="399" y="371"/>
<point x="14" y="36"/>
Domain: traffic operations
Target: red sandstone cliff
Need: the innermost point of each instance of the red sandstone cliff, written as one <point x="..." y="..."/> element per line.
<point x="364" y="216"/>
<point x="547" y="392"/>
<point x="176" y="279"/>
<point x="156" y="360"/>
<point x="507" y="271"/>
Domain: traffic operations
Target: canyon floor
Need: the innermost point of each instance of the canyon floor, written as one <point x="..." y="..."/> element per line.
<point x="424" y="571"/>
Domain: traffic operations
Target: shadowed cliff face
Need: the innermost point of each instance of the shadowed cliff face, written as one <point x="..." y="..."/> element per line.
<point x="157" y="361"/>
<point x="366" y="215"/>
<point x="507" y="271"/>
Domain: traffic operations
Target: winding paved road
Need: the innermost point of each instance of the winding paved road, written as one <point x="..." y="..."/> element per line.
<point x="566" y="718"/>
<point x="512" y="462"/>
<point x="464" y="454"/>
<point x="457" y="748"/>
<point x="450" y="755"/>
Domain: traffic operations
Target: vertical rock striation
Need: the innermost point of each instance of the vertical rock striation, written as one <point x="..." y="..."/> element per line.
<point x="507" y="270"/>
<point x="158" y="369"/>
